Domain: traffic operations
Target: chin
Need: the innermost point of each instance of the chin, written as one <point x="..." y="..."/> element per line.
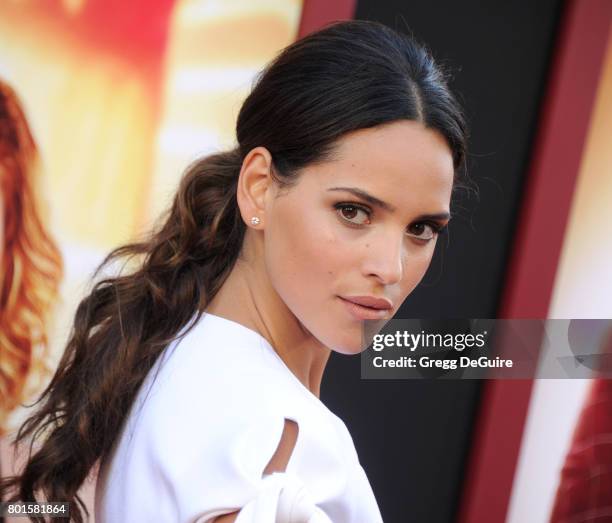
<point x="350" y="344"/>
<point x="353" y="341"/>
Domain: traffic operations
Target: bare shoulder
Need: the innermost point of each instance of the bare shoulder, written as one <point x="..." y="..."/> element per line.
<point x="227" y="518"/>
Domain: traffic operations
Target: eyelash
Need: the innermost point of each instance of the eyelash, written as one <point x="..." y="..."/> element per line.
<point x="435" y="227"/>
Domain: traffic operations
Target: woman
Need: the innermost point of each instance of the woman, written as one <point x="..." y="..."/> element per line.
<point x="194" y="379"/>
<point x="30" y="262"/>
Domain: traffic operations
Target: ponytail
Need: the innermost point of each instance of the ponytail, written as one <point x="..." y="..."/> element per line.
<point x="124" y="324"/>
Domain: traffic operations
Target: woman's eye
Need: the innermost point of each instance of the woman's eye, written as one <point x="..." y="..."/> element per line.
<point x="353" y="214"/>
<point x="422" y="231"/>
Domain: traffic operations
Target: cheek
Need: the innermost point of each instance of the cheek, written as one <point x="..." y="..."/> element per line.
<point x="303" y="257"/>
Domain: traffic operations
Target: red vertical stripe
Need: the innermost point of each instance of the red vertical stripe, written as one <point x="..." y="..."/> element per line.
<point x="552" y="176"/>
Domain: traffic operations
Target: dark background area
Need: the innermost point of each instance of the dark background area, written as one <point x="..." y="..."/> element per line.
<point x="413" y="437"/>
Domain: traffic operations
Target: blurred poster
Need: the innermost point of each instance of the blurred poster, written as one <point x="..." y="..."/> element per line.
<point x="120" y="97"/>
<point x="583" y="289"/>
<point x="583" y="285"/>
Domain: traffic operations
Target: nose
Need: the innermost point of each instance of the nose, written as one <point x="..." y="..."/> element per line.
<point x="384" y="258"/>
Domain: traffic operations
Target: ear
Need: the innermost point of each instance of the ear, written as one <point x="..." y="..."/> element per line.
<point x="254" y="182"/>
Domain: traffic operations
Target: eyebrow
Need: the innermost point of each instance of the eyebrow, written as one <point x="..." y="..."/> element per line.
<point x="373" y="200"/>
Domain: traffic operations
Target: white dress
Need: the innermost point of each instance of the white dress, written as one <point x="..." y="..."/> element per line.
<point x="199" y="436"/>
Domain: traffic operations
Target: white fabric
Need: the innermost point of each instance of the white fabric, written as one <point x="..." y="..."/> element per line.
<point x="204" y="425"/>
<point x="283" y="498"/>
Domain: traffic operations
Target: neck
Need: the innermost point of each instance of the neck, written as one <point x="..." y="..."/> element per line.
<point x="247" y="297"/>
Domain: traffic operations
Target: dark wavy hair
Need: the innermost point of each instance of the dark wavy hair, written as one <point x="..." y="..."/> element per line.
<point x="347" y="76"/>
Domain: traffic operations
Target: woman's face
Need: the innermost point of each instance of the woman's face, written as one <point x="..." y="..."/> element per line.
<point x="360" y="225"/>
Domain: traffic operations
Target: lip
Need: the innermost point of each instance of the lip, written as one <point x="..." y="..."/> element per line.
<point x="357" y="306"/>
<point x="370" y="301"/>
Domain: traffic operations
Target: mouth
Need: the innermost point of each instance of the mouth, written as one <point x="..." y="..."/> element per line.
<point x="367" y="307"/>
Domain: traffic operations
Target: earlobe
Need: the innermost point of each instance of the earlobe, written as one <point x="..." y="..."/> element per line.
<point x="253" y="183"/>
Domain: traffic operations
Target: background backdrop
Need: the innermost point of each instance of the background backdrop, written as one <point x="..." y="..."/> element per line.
<point x="121" y="96"/>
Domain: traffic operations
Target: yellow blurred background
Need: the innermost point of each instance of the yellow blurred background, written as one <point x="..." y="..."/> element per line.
<point x="121" y="97"/>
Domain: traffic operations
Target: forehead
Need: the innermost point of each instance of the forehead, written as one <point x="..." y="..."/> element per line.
<point x="384" y="160"/>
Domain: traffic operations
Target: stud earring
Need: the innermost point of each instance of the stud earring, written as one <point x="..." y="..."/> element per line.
<point x="255" y="220"/>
